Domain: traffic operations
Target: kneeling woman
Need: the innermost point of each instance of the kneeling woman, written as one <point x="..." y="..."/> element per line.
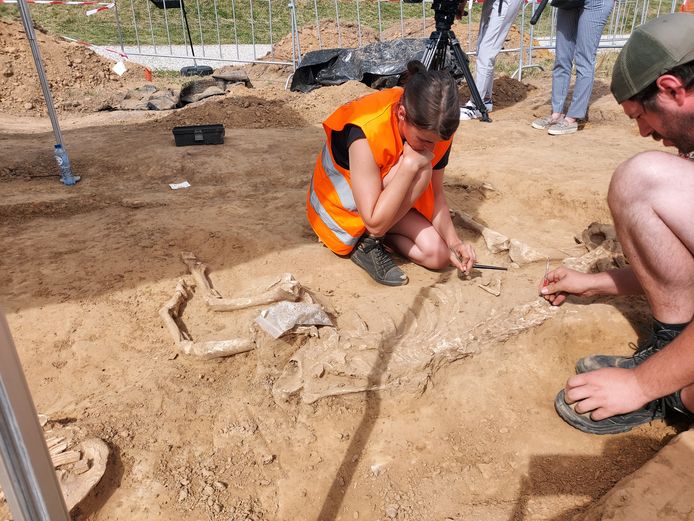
<point x="379" y="178"/>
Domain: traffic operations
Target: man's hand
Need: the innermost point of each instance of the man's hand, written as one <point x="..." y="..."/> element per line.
<point x="463" y="257"/>
<point x="564" y="281"/>
<point x="606" y="392"/>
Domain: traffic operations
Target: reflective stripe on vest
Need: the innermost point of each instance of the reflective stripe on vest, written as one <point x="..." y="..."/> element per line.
<point x="327" y="219"/>
<point x="340" y="184"/>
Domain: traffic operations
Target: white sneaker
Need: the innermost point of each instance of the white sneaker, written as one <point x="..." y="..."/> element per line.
<point x="469" y="111"/>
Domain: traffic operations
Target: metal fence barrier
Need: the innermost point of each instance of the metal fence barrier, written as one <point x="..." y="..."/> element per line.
<point x="216" y="32"/>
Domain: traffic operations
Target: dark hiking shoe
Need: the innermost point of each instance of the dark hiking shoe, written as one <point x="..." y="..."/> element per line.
<point x="659" y="338"/>
<point x="370" y="255"/>
<point x="613" y="425"/>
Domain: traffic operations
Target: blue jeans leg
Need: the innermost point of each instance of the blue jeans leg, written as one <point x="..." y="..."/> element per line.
<point x="567" y="25"/>
<point x="591" y="23"/>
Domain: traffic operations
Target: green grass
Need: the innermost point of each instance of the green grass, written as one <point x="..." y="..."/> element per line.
<point x="234" y="20"/>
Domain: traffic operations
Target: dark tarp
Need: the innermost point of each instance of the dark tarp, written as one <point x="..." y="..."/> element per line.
<point x="378" y="64"/>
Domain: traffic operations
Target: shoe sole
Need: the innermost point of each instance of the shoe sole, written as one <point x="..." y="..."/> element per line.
<point x="555" y="132"/>
<point x="540" y="127"/>
<point x="384" y="282"/>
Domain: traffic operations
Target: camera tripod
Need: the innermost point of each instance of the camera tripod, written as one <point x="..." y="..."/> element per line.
<point x="443" y="39"/>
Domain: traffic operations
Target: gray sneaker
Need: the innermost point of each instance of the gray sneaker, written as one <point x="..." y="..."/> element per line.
<point x="660" y="337"/>
<point x="370" y="255"/>
<point x="612" y="425"/>
<point x="562" y="127"/>
<point x="544" y="123"/>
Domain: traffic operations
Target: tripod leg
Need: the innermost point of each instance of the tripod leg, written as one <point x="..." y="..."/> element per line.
<point x="464" y="63"/>
<point x="432" y="56"/>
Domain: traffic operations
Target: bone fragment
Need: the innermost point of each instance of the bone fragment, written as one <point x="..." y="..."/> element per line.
<point x="57" y="448"/>
<point x="170" y="310"/>
<point x="76" y="486"/>
<point x="205" y="350"/>
<point x="53" y="441"/>
<point x="70" y="456"/>
<point x="521" y="253"/>
<point x="493" y="287"/>
<point x="495" y="241"/>
<point x="599" y="259"/>
<point x="216" y="348"/>
<point x="285" y="289"/>
<point x="198" y="270"/>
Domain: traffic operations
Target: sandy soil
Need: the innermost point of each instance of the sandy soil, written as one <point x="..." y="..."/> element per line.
<point x="87" y="268"/>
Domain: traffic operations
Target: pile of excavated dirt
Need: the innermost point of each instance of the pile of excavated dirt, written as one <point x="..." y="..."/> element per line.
<point x="79" y="78"/>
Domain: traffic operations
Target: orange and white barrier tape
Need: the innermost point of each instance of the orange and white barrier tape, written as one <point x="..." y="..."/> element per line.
<point x="100" y="8"/>
<point x="57" y="2"/>
<point x="103" y="6"/>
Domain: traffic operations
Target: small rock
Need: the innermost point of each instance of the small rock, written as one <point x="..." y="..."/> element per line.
<point x="268" y="458"/>
<point x="392" y="511"/>
<point x="182" y="495"/>
<point x="28" y="106"/>
<point x="207" y="491"/>
<point x="219" y="485"/>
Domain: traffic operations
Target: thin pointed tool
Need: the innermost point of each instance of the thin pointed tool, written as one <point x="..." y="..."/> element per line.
<point x="488" y="267"/>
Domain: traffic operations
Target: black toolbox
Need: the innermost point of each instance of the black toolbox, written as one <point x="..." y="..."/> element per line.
<point x="199" y="135"/>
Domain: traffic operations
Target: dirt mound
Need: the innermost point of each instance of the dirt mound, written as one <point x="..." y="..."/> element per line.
<point x="507" y="91"/>
<point x="327" y="35"/>
<point x="73" y="70"/>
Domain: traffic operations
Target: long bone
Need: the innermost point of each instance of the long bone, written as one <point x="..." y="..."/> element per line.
<point x="286" y="288"/>
<point x="205" y="350"/>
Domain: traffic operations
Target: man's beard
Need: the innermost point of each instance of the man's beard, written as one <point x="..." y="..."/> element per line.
<point x="679" y="129"/>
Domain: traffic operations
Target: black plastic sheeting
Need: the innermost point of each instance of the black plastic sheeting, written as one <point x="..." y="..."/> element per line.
<point x="378" y="65"/>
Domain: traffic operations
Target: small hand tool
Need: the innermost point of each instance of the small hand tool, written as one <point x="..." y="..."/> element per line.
<point x="488" y="267"/>
<point x="545" y="281"/>
<point x="477" y="266"/>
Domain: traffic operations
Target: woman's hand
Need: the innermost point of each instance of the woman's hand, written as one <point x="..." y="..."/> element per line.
<point x="418" y="159"/>
<point x="463" y="257"/>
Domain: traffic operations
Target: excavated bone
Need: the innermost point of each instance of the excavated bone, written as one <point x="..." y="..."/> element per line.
<point x="521" y="253"/>
<point x="205" y="350"/>
<point x="286" y="288"/>
<point x="64" y="458"/>
<point x="495" y="241"/>
<point x="493" y="287"/>
<point x="198" y="270"/>
<point x="599" y="259"/>
<point x="217" y="348"/>
<point x="76" y="486"/>
<point x="350" y="361"/>
<point x="599" y="234"/>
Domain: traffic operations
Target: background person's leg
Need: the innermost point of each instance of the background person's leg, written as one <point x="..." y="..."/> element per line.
<point x="591" y="23"/>
<point x="494" y="28"/>
<point x="415" y="237"/>
<point x="567" y="23"/>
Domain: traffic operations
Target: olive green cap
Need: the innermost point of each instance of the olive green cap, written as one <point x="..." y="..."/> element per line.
<point x="652" y="49"/>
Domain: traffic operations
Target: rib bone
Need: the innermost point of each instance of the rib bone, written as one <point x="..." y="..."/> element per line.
<point x="495" y="241"/>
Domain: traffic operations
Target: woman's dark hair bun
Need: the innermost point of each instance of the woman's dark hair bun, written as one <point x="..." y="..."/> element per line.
<point x="415" y="67"/>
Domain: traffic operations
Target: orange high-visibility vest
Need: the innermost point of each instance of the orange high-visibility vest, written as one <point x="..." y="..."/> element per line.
<point x="330" y="204"/>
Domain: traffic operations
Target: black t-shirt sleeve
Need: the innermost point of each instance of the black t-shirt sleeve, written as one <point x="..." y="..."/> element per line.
<point x="443" y="162"/>
<point x="342" y="140"/>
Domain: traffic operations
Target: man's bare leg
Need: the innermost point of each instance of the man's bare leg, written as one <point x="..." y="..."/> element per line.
<point x="651" y="197"/>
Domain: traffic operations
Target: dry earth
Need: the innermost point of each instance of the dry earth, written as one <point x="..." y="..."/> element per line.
<point x="85" y="270"/>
